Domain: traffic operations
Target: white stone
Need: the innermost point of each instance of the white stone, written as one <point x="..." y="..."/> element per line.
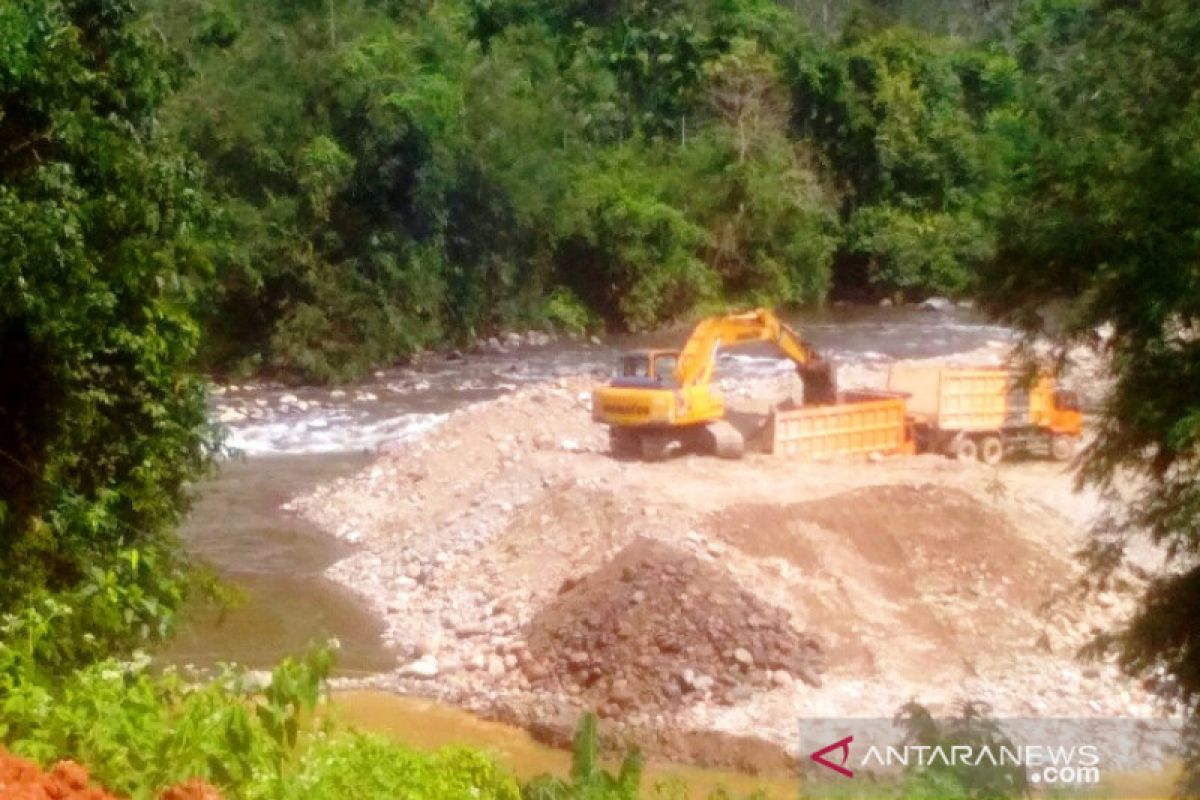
<point x="424" y="667"/>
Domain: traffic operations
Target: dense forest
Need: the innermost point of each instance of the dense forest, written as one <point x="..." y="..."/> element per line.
<point x="384" y="176"/>
<point x="310" y="188"/>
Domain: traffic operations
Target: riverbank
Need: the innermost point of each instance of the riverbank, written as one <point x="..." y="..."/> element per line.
<point x="275" y="565"/>
<point x="428" y="725"/>
<point x="525" y="575"/>
<point x="533" y="459"/>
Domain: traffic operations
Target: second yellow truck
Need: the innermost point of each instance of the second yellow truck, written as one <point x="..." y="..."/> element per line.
<point x="987" y="413"/>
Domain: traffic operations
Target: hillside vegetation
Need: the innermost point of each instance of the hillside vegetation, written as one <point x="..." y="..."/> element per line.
<point x="391" y="175"/>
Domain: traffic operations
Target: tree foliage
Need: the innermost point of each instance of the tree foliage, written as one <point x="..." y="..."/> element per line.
<point x="1103" y="244"/>
<point x="101" y="424"/>
<point x="392" y="177"/>
<point x="910" y="122"/>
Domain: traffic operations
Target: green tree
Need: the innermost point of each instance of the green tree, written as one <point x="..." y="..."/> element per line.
<point x="913" y="127"/>
<point x="625" y="244"/>
<point x="390" y="176"/>
<point x="1105" y="236"/>
<point x="101" y="423"/>
<point x="761" y="195"/>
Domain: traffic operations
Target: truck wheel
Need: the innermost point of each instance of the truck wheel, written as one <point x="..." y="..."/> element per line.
<point x="991" y="450"/>
<point x="1062" y="448"/>
<point x="623" y="443"/>
<point x="965" y="449"/>
<point x="655" y="446"/>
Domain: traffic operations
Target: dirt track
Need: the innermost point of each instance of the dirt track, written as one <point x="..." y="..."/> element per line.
<point x="509" y="527"/>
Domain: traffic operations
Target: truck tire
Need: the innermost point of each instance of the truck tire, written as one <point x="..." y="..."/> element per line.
<point x="991" y="450"/>
<point x="964" y="449"/>
<point x="623" y="443"/>
<point x="1062" y="448"/>
<point x="655" y="446"/>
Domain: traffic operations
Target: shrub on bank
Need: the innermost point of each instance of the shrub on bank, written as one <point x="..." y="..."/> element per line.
<point x="358" y="765"/>
<point x="138" y="732"/>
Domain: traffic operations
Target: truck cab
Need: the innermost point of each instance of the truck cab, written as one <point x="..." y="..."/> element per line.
<point x="1066" y="416"/>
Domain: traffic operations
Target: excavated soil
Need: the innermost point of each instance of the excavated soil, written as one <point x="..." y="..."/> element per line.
<point x="23" y="780"/>
<point x="656" y="628"/>
<point x="524" y="573"/>
<point x="930" y="563"/>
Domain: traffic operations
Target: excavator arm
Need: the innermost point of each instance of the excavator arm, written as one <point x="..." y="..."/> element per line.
<point x="699" y="354"/>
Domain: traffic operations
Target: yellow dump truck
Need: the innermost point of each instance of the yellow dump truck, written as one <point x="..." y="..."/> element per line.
<point x="987" y="413"/>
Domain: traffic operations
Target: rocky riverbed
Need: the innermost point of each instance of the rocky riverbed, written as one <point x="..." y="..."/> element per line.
<point x="524" y="574"/>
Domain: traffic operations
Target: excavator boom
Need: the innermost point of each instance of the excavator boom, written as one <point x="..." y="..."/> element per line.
<point x="699" y="354"/>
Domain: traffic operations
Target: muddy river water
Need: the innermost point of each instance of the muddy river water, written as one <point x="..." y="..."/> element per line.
<point x="291" y="439"/>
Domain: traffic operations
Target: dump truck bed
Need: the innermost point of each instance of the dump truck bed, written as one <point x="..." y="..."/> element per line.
<point x="860" y="424"/>
<point x="978" y="399"/>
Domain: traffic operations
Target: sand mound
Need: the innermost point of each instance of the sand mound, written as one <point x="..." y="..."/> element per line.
<point x="905" y="579"/>
<point x="656" y="628"/>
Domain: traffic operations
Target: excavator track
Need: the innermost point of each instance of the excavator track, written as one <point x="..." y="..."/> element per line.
<point x="724" y="440"/>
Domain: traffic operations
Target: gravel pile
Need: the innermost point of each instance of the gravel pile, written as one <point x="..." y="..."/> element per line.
<point x="656" y="628"/>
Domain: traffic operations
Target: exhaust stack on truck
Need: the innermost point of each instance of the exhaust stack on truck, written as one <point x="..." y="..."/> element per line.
<point x="987" y="413"/>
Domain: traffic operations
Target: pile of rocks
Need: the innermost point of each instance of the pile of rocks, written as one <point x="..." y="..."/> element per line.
<point x="656" y="629"/>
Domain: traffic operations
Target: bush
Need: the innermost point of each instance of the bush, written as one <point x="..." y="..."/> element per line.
<point x="627" y="246"/>
<point x="360" y="766"/>
<point x="564" y="311"/>
<point x="920" y="252"/>
<point x="138" y="733"/>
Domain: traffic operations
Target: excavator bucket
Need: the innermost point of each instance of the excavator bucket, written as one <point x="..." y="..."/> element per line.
<point x="820" y="382"/>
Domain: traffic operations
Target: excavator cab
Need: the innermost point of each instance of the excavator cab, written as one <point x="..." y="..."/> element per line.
<point x="647" y="368"/>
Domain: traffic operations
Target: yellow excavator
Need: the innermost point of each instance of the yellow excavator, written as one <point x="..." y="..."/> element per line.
<point x="662" y="399"/>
